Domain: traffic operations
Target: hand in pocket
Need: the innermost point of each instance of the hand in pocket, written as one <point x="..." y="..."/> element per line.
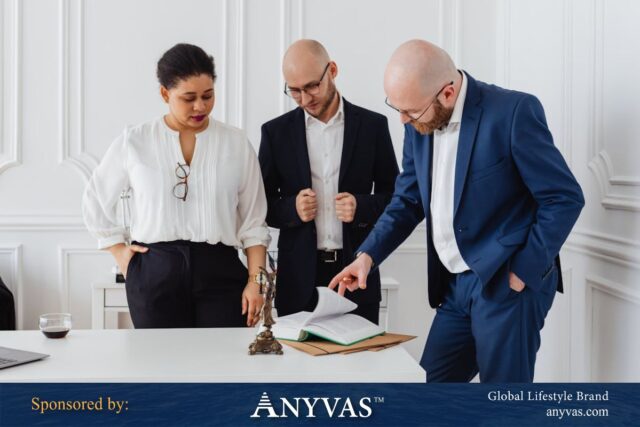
<point x="123" y="254"/>
<point x="515" y="283"/>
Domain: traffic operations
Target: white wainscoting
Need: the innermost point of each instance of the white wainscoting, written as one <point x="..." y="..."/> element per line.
<point x="10" y="82"/>
<point x="612" y="310"/>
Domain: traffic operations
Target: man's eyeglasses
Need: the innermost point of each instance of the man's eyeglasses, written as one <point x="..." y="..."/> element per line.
<point x="312" y="88"/>
<point x="386" y="101"/>
<point x="181" y="189"/>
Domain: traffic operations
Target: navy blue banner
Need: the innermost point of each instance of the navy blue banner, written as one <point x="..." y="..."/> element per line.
<point x="320" y="404"/>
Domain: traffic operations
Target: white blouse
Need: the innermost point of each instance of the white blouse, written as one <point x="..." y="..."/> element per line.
<point x="225" y="202"/>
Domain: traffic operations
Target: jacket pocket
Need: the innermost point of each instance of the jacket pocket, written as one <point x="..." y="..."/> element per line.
<point x="515" y="237"/>
<point x="475" y="175"/>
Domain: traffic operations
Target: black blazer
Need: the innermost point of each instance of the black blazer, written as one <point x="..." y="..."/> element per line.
<point x="7" y="309"/>
<point x="368" y="163"/>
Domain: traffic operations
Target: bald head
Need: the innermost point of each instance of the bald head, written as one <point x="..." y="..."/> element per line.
<point x="309" y="75"/>
<point x="417" y="67"/>
<point x="304" y="54"/>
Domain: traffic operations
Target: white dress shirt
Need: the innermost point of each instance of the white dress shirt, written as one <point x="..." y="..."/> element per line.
<point x="225" y="202"/>
<point x="445" y="149"/>
<point x="324" y="144"/>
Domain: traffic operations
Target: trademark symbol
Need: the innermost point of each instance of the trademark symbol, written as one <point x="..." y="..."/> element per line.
<point x="378" y="399"/>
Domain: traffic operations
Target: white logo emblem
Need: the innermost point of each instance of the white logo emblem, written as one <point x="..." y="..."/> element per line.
<point x="265" y="405"/>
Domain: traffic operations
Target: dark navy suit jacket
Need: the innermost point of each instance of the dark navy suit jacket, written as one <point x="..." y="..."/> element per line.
<point x="368" y="163"/>
<point x="515" y="199"/>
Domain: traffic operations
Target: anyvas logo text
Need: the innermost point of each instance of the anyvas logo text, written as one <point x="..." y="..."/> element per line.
<point x="310" y="406"/>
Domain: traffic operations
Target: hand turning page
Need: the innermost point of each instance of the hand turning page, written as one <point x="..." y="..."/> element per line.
<point x="329" y="320"/>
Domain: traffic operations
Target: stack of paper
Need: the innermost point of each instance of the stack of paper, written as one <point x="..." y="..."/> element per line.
<point x="320" y="347"/>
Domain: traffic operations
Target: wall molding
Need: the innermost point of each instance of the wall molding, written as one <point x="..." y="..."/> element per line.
<point x="71" y="138"/>
<point x="33" y="222"/>
<point x="503" y="44"/>
<point x="602" y="168"/>
<point x="617" y="192"/>
<point x="567" y="81"/>
<point x="449" y="28"/>
<point x="595" y="284"/>
<point x="224" y="102"/>
<point x="14" y="282"/>
<point x="569" y="290"/>
<point x="240" y="46"/>
<point x="64" y="258"/>
<point x="285" y="40"/>
<point x="612" y="288"/>
<point x="612" y="249"/>
<point x="10" y="84"/>
<point x="288" y="9"/>
<point x="234" y="52"/>
<point x="504" y="66"/>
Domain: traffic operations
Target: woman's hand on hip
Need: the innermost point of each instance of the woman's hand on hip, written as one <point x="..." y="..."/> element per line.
<point x="123" y="254"/>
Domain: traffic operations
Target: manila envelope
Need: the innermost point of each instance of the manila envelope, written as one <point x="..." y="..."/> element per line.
<point x="320" y="347"/>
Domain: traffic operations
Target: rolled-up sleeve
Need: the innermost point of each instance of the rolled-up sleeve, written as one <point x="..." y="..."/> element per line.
<point x="252" y="228"/>
<point x="102" y="195"/>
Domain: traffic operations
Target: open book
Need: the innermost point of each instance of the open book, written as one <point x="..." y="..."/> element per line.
<point x="329" y="321"/>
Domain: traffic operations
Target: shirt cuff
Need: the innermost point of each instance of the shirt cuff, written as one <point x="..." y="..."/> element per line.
<point x="247" y="243"/>
<point x="373" y="263"/>
<point x="256" y="236"/>
<point x="106" y="242"/>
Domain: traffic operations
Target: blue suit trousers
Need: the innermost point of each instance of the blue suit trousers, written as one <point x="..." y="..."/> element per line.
<point x="472" y="333"/>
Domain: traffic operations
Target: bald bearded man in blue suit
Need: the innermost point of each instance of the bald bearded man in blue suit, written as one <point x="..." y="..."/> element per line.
<point x="480" y="165"/>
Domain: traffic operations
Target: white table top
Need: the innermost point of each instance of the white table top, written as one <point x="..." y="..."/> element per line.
<point x="192" y="355"/>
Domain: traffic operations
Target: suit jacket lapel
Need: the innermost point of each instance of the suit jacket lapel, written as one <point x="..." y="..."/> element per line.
<point x="468" y="128"/>
<point x="423" y="160"/>
<point x="299" y="138"/>
<point x="429" y="162"/>
<point x="351" y="125"/>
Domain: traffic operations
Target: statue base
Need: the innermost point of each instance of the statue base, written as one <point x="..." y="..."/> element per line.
<point x="265" y="343"/>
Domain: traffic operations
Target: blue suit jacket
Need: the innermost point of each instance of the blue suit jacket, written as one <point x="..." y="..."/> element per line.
<point x="515" y="199"/>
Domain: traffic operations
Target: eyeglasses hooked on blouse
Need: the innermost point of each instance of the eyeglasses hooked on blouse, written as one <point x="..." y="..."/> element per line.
<point x="181" y="189"/>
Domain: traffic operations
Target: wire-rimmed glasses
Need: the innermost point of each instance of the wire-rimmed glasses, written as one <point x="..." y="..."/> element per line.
<point x="181" y="189"/>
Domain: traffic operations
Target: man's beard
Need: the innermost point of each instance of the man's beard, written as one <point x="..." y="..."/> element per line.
<point x="330" y="96"/>
<point x="441" y="117"/>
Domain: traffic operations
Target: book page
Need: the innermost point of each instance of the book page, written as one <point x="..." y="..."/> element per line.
<point x="330" y="303"/>
<point x="290" y="327"/>
<point x="345" y="329"/>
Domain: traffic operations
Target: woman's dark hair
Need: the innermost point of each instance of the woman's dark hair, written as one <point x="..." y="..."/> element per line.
<point x="183" y="61"/>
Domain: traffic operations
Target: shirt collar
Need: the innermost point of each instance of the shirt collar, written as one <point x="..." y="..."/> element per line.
<point x="337" y="118"/>
<point x="456" y="116"/>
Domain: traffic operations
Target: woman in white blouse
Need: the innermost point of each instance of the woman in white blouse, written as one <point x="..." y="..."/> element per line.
<point x="196" y="196"/>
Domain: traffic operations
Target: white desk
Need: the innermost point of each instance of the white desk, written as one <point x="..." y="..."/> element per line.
<point x="192" y="355"/>
<point x="109" y="309"/>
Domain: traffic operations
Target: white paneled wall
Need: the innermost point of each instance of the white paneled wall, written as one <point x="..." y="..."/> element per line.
<point x="10" y="79"/>
<point x="75" y="72"/>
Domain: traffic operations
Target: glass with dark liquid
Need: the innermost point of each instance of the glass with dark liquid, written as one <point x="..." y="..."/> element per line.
<point x="55" y="325"/>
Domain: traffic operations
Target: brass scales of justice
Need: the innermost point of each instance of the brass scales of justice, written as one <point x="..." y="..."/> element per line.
<point x="265" y="342"/>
